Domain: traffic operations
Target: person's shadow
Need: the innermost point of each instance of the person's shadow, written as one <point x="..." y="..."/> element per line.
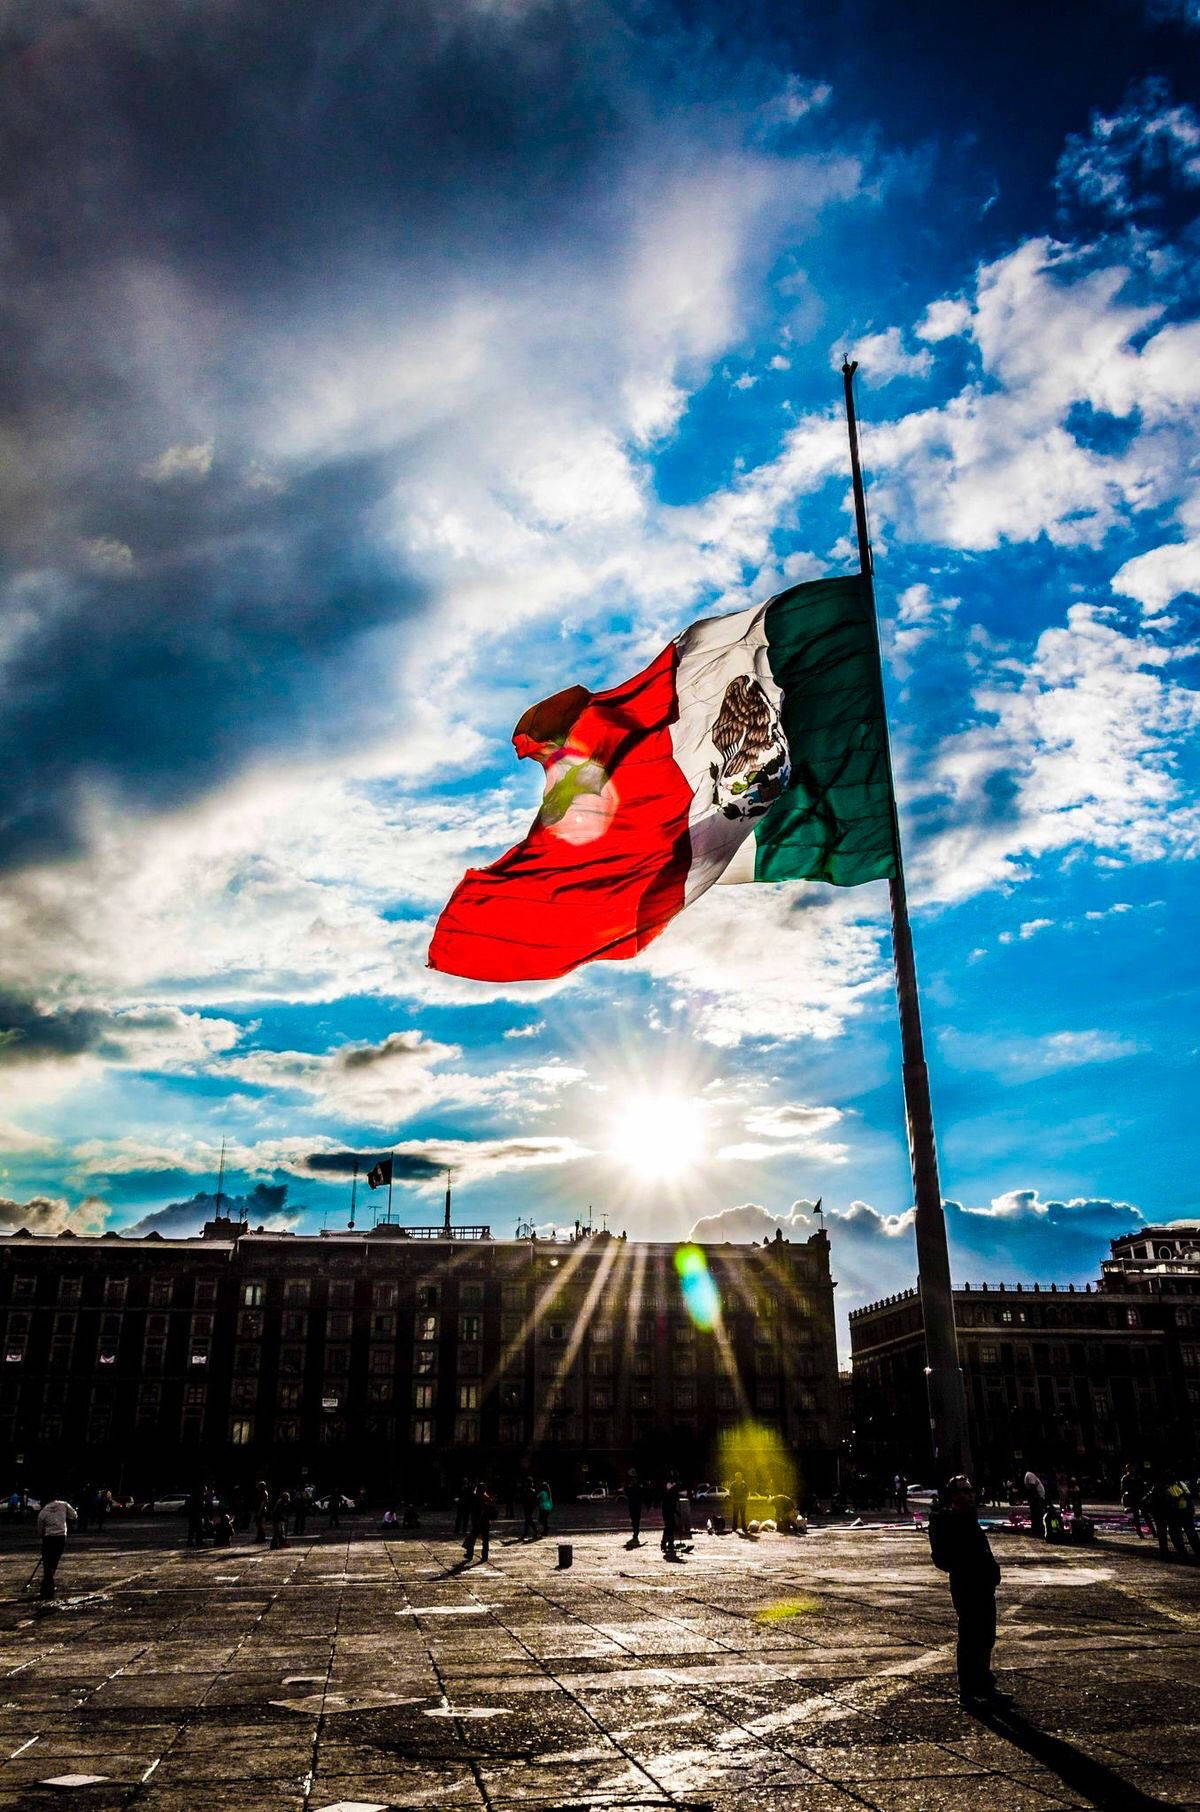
<point x="1087" y="1778"/>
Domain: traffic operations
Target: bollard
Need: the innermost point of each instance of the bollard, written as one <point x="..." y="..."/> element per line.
<point x="565" y="1555"/>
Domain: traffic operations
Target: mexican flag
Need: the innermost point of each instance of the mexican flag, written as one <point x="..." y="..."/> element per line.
<point x="753" y="748"/>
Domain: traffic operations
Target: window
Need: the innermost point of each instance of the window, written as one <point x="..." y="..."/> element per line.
<point x="422" y="1431"/>
<point x="333" y="1428"/>
<point x="466" y="1431"/>
<point x="643" y="1397"/>
<point x="154" y="1354"/>
<point x="155" y="1324"/>
<point x="149" y="1400"/>
<point x="296" y="1292"/>
<point x="1189" y="1355"/>
<point x="1006" y="1317"/>
<point x="602" y="1333"/>
<point x="423" y="1396"/>
<point x="114" y="1291"/>
<point x="643" y="1361"/>
<point x="600" y="1364"/>
<point x="384" y="1295"/>
<point x="512" y="1431"/>
<point x="250" y="1324"/>
<point x="685" y="1396"/>
<point x="425" y="1360"/>
<point x="565" y="1431"/>
<point x="382" y="1360"/>
<point x="380" y="1390"/>
<point x="291" y="1359"/>
<point x="601" y="1431"/>
<point x="1133" y="1318"/>
<point x="24" y="1286"/>
<point x="99" y="1424"/>
<point x="68" y="1290"/>
<point x="470" y="1296"/>
<point x="294" y="1325"/>
<point x="287" y="1396"/>
<point x="287" y="1428"/>
<point x="243" y="1393"/>
<point x="337" y="1359"/>
<point x="470" y="1327"/>
<point x="556" y="1332"/>
<point x="989" y="1355"/>
<point x="427" y="1296"/>
<point x="383" y="1327"/>
<point x="425" y="1327"/>
<point x="512" y="1395"/>
<point x="726" y="1400"/>
<point x="468" y="1396"/>
<point x="341" y="1293"/>
<point x="511" y="1327"/>
<point x="161" y="1291"/>
<point x="683" y="1333"/>
<point x="338" y="1325"/>
<point x="512" y="1296"/>
<point x="194" y="1396"/>
<point x="685" y="1364"/>
<point x="247" y="1359"/>
<point x="241" y="1430"/>
<point x="205" y="1294"/>
<point x="254" y="1295"/>
<point x="470" y="1359"/>
<point x="600" y="1397"/>
<point x="60" y="1353"/>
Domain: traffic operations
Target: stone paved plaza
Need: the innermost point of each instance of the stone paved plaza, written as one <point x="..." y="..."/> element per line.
<point x="813" y="1673"/>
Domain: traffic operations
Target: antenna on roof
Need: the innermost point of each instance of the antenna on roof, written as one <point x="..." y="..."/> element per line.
<point x="446" y="1229"/>
<point x="353" y="1192"/>
<point x="221" y="1180"/>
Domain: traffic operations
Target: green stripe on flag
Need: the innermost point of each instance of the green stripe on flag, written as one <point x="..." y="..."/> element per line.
<point x="835" y="822"/>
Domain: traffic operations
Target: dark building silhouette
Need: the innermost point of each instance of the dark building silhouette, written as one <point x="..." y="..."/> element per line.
<point x="401" y="1356"/>
<point x="1057" y="1377"/>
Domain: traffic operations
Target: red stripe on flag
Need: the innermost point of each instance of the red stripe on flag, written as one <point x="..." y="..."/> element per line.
<point x="602" y="869"/>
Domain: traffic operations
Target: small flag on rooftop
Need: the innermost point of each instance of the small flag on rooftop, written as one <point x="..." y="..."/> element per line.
<point x="380" y="1173"/>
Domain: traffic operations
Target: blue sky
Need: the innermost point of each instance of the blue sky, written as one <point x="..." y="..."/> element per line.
<point x="381" y="370"/>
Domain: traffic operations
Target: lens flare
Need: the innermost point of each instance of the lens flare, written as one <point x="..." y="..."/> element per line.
<point x="760" y="1454"/>
<point x="700" y="1295"/>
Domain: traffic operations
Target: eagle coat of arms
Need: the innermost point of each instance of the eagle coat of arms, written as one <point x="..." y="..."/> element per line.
<point x="754" y="767"/>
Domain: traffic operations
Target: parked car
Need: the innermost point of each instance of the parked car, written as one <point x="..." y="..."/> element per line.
<point x="599" y="1494"/>
<point x="15" y="1506"/>
<point x="708" y="1492"/>
<point x="171" y="1503"/>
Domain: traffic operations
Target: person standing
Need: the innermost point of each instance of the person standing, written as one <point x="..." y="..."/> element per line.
<point x="195" y="1516"/>
<point x="53" y="1521"/>
<point x="670" y="1516"/>
<point x="262" y="1505"/>
<point x="959" y="1547"/>
<point x="479" y="1525"/>
<point x="335" y="1508"/>
<point x="1035" y="1497"/>
<point x="281" y="1512"/>
<point x="900" y="1493"/>
<point x="739" y="1499"/>
<point x="545" y="1504"/>
<point x="1131" y="1496"/>
<point x="633" y="1503"/>
<point x="1173" y="1516"/>
<point x="463" y="1503"/>
<point x="528" y="1509"/>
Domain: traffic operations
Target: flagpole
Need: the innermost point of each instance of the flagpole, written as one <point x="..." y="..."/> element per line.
<point x="391" y="1167"/>
<point x="947" y="1397"/>
<point x="353" y="1192"/>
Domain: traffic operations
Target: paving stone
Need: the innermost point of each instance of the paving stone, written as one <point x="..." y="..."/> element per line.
<point x="764" y="1676"/>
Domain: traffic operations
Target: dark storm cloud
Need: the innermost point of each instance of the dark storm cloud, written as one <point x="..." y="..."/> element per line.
<point x="33" y="1033"/>
<point x="266" y="1202"/>
<point x="191" y="198"/>
<point x="406" y="1166"/>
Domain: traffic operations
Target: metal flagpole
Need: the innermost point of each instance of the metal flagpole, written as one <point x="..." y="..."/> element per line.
<point x="391" y="1167"/>
<point x="353" y="1192"/>
<point x="447" y="1230"/>
<point x="947" y="1398"/>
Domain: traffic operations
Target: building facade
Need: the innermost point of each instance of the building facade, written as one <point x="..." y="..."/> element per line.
<point x="1078" y="1380"/>
<point x="397" y="1361"/>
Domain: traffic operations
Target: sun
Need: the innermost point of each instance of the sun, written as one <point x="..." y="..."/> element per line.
<point x="657" y="1136"/>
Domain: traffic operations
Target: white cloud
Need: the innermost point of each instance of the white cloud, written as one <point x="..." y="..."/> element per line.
<point x="1081" y="749"/>
<point x="882" y="357"/>
<point x="771" y="962"/>
<point x="1117" y="166"/>
<point x="184" y="463"/>
<point x="531" y="1030"/>
<point x="1160" y="575"/>
<point x="1023" y="1058"/>
<point x="105" y="554"/>
<point x="946" y="319"/>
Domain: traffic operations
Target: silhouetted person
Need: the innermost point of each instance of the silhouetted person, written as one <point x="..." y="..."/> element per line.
<point x="633" y="1503"/>
<point x="1131" y="1498"/>
<point x="462" y="1506"/>
<point x="528" y="1509"/>
<point x="195" y="1517"/>
<point x="739" y="1501"/>
<point x="545" y="1504"/>
<point x="960" y="1548"/>
<point x="1171" y="1503"/>
<point x="1035" y="1497"/>
<point x="900" y="1494"/>
<point x="335" y="1509"/>
<point x="281" y="1512"/>
<point x="481" y="1510"/>
<point x="670" y="1516"/>
<point x="53" y="1521"/>
<point x="262" y="1505"/>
